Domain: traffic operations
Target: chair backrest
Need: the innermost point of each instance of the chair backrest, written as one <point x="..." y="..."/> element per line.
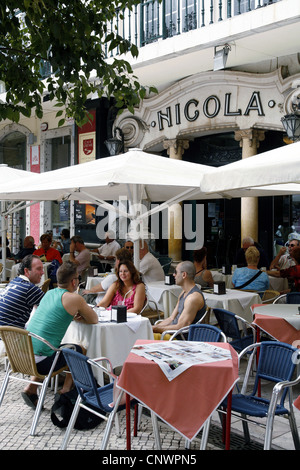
<point x="280" y="300"/>
<point x="19" y="350"/>
<point x="275" y="364"/>
<point x="228" y="323"/>
<point x="1" y="268"/>
<point x="203" y="332"/>
<point x="82" y="373"/>
<point x="269" y="296"/>
<point x="293" y="298"/>
<point x="45" y="285"/>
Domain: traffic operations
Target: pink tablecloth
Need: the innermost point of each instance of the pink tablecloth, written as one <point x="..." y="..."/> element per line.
<point x="187" y="401"/>
<point x="280" y="325"/>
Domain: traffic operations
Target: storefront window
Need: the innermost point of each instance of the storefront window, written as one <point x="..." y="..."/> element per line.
<point x="13" y="154"/>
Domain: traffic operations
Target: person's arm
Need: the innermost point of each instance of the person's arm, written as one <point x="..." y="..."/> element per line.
<point x="139" y="298"/>
<point x="94" y="289"/>
<point x="72" y="253"/>
<point x="167" y="324"/>
<point x="207" y="277"/>
<point x="106" y="301"/>
<point x="274" y="263"/>
<point x="76" y="306"/>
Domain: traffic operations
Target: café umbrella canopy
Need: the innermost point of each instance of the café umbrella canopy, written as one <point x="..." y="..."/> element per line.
<point x="276" y="172"/>
<point x="13" y="176"/>
<point x="135" y="175"/>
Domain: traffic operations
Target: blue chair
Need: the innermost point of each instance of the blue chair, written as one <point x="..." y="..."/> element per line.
<point x="208" y="333"/>
<point x="276" y="364"/>
<point x="293" y="298"/>
<point x="231" y="325"/>
<point x="96" y="399"/>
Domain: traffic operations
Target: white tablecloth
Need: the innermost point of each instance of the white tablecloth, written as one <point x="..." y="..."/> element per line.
<point x="165" y="296"/>
<point x="235" y="301"/>
<point x="112" y="340"/>
<point x="288" y="312"/>
<point x="276" y="283"/>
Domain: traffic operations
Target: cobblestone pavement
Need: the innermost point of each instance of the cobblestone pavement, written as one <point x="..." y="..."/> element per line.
<point x="16" y="417"/>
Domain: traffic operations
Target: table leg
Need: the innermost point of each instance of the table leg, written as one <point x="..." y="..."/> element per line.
<point x="228" y="421"/>
<point x="128" y="432"/>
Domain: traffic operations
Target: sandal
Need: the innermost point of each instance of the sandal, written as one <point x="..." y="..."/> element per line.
<point x="30" y="400"/>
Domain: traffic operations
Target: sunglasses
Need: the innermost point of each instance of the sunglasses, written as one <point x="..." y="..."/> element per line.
<point x="292" y="245"/>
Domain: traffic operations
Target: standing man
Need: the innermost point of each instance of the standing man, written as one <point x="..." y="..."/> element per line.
<point x="191" y="304"/>
<point x="82" y="259"/>
<point x="22" y="293"/>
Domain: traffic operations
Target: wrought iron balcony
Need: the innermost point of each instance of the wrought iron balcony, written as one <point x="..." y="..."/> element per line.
<point x="152" y="20"/>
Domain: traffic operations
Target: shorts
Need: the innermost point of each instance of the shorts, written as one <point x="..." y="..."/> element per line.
<point x="44" y="366"/>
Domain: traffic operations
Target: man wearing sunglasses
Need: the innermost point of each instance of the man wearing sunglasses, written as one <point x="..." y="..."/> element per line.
<point x="284" y="258"/>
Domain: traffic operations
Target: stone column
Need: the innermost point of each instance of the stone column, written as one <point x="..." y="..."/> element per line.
<point x="249" y="141"/>
<point x="175" y="149"/>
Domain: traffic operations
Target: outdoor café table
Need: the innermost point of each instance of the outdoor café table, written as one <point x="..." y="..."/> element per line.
<point x="281" y="321"/>
<point x="236" y="301"/>
<point x="188" y="400"/>
<point x="166" y="296"/>
<point x="110" y="339"/>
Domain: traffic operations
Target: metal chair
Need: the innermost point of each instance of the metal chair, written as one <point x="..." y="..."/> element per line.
<point x="269" y="296"/>
<point x="151" y="310"/>
<point x="183" y="332"/>
<point x="230" y="324"/>
<point x="280" y="300"/>
<point x="208" y="333"/>
<point x="276" y="364"/>
<point x="97" y="400"/>
<point x="293" y="298"/>
<point x="19" y="351"/>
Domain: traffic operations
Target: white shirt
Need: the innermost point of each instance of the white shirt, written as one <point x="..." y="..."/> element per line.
<point x="151" y="269"/>
<point x="105" y="284"/>
<point x="109" y="249"/>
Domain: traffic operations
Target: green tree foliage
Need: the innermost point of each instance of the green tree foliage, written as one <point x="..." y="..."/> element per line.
<point x="72" y="37"/>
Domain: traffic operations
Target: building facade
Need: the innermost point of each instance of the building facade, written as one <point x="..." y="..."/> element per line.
<point x="203" y="112"/>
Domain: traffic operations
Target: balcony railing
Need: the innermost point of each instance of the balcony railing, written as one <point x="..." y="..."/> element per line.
<point x="152" y="20"/>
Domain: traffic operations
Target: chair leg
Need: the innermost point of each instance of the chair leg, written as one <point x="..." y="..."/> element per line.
<point x="294" y="429"/>
<point x="71" y="423"/>
<point x="205" y="433"/>
<point x="4" y="385"/>
<point x="156" y="431"/>
<point x="246" y="430"/>
<point x="110" y="422"/>
<point x="39" y="406"/>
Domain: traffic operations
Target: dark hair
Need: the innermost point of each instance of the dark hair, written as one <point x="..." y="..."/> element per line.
<point x="26" y="263"/>
<point x="134" y="274"/>
<point x="77" y="239"/>
<point x="123" y="253"/>
<point x="46" y="236"/>
<point x="65" y="232"/>
<point x="199" y="255"/>
<point x="66" y="272"/>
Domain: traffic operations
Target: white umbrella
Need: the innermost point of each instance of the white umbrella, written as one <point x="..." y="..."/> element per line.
<point x="275" y="172"/>
<point x="136" y="175"/>
<point x="11" y="175"/>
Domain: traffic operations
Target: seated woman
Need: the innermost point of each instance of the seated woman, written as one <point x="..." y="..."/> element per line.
<point x="203" y="276"/>
<point x="127" y="290"/>
<point x="246" y="274"/>
<point x="292" y="273"/>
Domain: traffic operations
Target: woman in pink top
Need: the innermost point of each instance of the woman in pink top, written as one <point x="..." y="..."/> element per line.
<point x="128" y="289"/>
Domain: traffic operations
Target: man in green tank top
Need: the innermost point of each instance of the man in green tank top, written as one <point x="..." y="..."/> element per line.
<point x="51" y="320"/>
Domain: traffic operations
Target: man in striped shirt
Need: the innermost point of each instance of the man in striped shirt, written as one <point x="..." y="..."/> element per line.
<point x="22" y="294"/>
